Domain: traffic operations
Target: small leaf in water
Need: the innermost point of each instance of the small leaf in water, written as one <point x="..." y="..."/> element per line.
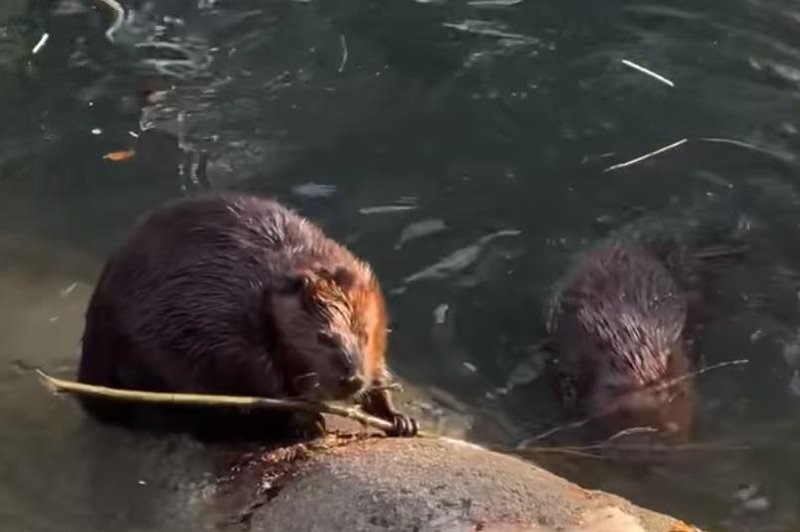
<point x="794" y="384"/>
<point x="440" y="313"/>
<point x="791" y="352"/>
<point x="459" y="260"/>
<point x="385" y="209"/>
<point x="420" y="229"/>
<point x="314" y="190"/>
<point x="746" y="491"/>
<point x="756" y="504"/>
<point x="122" y="155"/>
<point x="526" y="371"/>
<point x="68" y="290"/>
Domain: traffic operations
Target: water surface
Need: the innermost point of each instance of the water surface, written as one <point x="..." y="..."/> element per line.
<point x="462" y="148"/>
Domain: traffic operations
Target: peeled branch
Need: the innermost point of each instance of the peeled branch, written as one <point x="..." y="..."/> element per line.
<point x="56" y="385"/>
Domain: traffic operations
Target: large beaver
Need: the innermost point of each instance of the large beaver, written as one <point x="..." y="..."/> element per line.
<point x="235" y="294"/>
<point x="619" y="330"/>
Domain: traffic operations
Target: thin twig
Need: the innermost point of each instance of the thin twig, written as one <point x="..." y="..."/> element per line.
<point x="676" y="380"/>
<point x="40" y="43"/>
<point x="649" y="72"/>
<point x="574" y="425"/>
<point x="659" y="386"/>
<point x="747" y="145"/>
<point x="56" y="385"/>
<point x="572" y="451"/>
<point x="119" y="17"/>
<point x="645" y="156"/>
<point x="493" y="3"/>
<point x="343" y="42"/>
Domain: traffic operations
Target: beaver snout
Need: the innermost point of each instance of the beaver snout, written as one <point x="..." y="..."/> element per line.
<point x="351" y="385"/>
<point x="349" y="379"/>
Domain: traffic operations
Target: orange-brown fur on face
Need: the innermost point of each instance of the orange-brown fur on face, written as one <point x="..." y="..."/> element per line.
<point x="336" y="321"/>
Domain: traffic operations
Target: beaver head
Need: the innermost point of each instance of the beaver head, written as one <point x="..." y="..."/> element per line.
<point x="636" y="412"/>
<point x="331" y="326"/>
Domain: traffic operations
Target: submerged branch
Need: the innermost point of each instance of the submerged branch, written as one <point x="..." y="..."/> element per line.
<point x="526" y="443"/>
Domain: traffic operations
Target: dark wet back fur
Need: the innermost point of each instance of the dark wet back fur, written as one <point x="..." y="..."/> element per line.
<point x="617" y="328"/>
<point x="619" y="299"/>
<point x="180" y="306"/>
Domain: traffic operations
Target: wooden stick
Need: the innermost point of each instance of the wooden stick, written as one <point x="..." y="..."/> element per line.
<point x="57" y="386"/>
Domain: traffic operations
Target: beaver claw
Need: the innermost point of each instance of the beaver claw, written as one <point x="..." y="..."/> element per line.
<point x="403" y="426"/>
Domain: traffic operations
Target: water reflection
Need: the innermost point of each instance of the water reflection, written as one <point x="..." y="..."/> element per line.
<point x="415" y="132"/>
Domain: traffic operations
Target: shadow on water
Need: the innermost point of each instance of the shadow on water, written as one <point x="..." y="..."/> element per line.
<point x="461" y="148"/>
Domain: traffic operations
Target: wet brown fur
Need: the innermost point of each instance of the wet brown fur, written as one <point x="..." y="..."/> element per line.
<point x="234" y="294"/>
<point x="619" y="330"/>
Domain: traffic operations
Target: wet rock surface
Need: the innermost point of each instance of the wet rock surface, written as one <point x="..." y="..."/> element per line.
<point x="366" y="482"/>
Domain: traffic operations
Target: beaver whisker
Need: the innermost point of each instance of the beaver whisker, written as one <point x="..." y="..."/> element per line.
<point x="677" y="380"/>
<point x="653" y="387"/>
<point x="631" y="430"/>
<point x="581" y="422"/>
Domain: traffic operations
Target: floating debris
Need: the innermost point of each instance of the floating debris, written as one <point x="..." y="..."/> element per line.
<point x="440" y="313"/>
<point x="119" y="17"/>
<point x="343" y="42"/>
<point x="746" y="491"/>
<point x="646" y="156"/>
<point x="68" y="290"/>
<point x="747" y="145"/>
<point x="649" y="72"/>
<point x="483" y="27"/>
<point x="756" y="504"/>
<point x="751" y="498"/>
<point x="527" y="371"/>
<point x="493" y="3"/>
<point x="191" y="63"/>
<point x="472" y="368"/>
<point x="122" y="155"/>
<point x="314" y="190"/>
<point x="381" y="209"/>
<point x="420" y="229"/>
<point x="459" y="259"/>
<point x="96" y="131"/>
<point x="794" y="384"/>
<point x="40" y="43"/>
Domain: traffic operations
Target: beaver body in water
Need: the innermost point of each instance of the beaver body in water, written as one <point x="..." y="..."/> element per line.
<point x="619" y="329"/>
<point x="238" y="295"/>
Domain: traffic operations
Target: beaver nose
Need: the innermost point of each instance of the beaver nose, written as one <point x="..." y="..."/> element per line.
<point x="352" y="383"/>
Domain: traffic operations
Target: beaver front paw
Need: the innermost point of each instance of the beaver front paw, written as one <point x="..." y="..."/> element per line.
<point x="403" y="426"/>
<point x="306" y="426"/>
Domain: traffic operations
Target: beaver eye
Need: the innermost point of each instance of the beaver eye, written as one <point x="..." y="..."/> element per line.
<point x="327" y="339"/>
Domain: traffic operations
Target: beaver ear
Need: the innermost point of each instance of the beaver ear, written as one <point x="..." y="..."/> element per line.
<point x="345" y="278"/>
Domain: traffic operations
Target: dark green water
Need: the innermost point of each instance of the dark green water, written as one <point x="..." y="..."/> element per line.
<point x="458" y="146"/>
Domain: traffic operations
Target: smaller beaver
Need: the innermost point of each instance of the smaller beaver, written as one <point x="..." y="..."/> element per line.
<point x="618" y="328"/>
<point x="235" y="294"/>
